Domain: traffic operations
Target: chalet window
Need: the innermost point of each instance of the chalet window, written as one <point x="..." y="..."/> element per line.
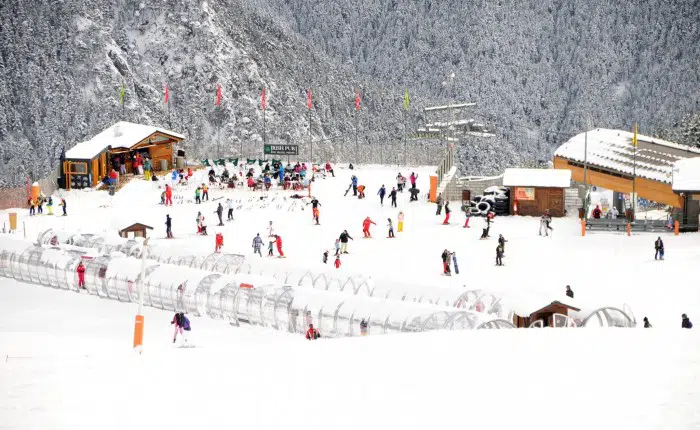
<point x="78" y="168"/>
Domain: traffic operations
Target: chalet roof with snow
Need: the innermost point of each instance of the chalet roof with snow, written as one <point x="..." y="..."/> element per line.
<point x="612" y="150"/>
<point x="120" y="135"/>
<point x="686" y="175"/>
<point x="545" y="178"/>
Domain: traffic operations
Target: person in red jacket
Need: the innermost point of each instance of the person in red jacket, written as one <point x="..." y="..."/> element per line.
<point x="312" y="333"/>
<point x="337" y="261"/>
<point x="278" y="240"/>
<point x="168" y="195"/>
<point x="81" y="275"/>
<point x="329" y="169"/>
<point x="365" y="226"/>
<point x="597" y="212"/>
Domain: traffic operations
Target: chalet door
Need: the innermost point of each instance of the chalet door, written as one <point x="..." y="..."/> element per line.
<point x="103" y="165"/>
<point x="95" y="172"/>
<point x="555" y="202"/>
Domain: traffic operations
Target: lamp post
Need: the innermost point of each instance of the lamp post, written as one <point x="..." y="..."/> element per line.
<point x="139" y="321"/>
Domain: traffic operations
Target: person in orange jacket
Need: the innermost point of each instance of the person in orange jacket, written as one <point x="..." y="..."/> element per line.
<point x="278" y="240"/>
<point x="81" y="275"/>
<point x="361" y="190"/>
<point x="312" y="333"/>
<point x="365" y="226"/>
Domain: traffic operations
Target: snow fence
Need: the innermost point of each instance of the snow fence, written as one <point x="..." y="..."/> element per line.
<point x="237" y="298"/>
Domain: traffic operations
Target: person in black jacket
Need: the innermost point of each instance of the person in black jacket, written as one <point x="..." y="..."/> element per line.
<point x="569" y="292"/>
<point x="685" y="322"/>
<point x="446" y="263"/>
<point x="325" y="257"/>
<point x="502" y="241"/>
<point x="168" y="226"/>
<point x="499" y="255"/>
<point x="392" y="194"/>
<point x="659" y="247"/>
<point x="344" y="236"/>
<point x="647" y="324"/>
<point x="447" y="213"/>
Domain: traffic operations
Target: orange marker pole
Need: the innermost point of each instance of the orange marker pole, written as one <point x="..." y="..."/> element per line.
<point x="629" y="229"/>
<point x="583" y="227"/>
<point x="676" y="227"/>
<point x="138" y="333"/>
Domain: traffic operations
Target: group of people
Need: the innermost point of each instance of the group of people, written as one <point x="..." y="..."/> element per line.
<point x="36" y="205"/>
<point x="273" y="240"/>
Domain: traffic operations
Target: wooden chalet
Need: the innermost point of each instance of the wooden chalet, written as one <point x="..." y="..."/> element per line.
<point x="546" y="314"/>
<point x="535" y="190"/>
<point x="88" y="162"/>
<point x="136" y="229"/>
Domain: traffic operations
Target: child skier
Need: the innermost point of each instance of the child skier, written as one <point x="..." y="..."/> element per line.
<point x="659" y="248"/>
<point x="314" y="209"/>
<point x="337" y="262"/>
<point x="257" y="244"/>
<point x="197" y="196"/>
<point x="270" y="248"/>
<point x="49" y="205"/>
<point x="325" y="256"/>
<point x="391" y="228"/>
<point x="365" y="226"/>
<point x="361" y="191"/>
<point x="219" y="242"/>
<point x="199" y="222"/>
<point x="392" y="194"/>
<point x="81" y="275"/>
<point x="168" y="227"/>
<point x="203" y="224"/>
<point x="229" y="206"/>
<point x="337" y="247"/>
<point x="447" y="213"/>
<point x="400" y="218"/>
<point x="545" y="222"/>
<point x="168" y="195"/>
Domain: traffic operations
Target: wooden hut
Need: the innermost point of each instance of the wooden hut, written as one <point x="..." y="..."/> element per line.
<point x="535" y="190"/>
<point x="526" y="317"/>
<point x="84" y="165"/>
<point x="137" y="229"/>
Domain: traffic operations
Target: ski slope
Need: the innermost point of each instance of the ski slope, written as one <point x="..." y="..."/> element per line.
<point x="67" y="361"/>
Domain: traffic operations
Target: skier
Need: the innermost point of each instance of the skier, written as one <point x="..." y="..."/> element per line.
<point x="381" y="193"/>
<point x="569" y="292"/>
<point x="413" y="178"/>
<point x="446" y="263"/>
<point x="344" y="236"/>
<point x="314" y="210"/>
<point x="447" y="213"/>
<point x="181" y="323"/>
<point x="391" y="228"/>
<point x="400" y="219"/>
<point x="257" y="244"/>
<point x="545" y="222"/>
<point x="168" y="195"/>
<point x="685" y="322"/>
<point x="325" y="256"/>
<point x="279" y="245"/>
<point x="468" y="216"/>
<point x="502" y="241"/>
<point x="647" y="324"/>
<point x="64" y="206"/>
<point x="219" y="242"/>
<point x="363" y="327"/>
<point x="499" y="255"/>
<point x="39" y="205"/>
<point x="400" y="182"/>
<point x="337" y="262"/>
<point x="354" y="185"/>
<point x="168" y="227"/>
<point x="229" y="205"/>
<point x="270" y="248"/>
<point x="197" y="195"/>
<point x="365" y="227"/>
<point x="205" y="192"/>
<point x="439" y="204"/>
<point x="81" y="275"/>
<point x="337" y="247"/>
<point x="49" y="205"/>
<point x="392" y="194"/>
<point x="487" y="227"/>
<point x="312" y="333"/>
<point x="659" y="247"/>
<point x="329" y="169"/>
<point x="203" y="224"/>
<point x="220" y="212"/>
<point x="199" y="222"/>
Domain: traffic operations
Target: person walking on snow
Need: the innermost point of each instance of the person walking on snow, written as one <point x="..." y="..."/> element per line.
<point x="325" y="256"/>
<point x="413" y="178"/>
<point x="502" y="241"/>
<point x="447" y="213"/>
<point x="337" y="247"/>
<point x="205" y="192"/>
<point x="270" y="230"/>
<point x="381" y="193"/>
<point x="365" y="226"/>
<point x="344" y="236"/>
<point x="685" y="322"/>
<point x="64" y="206"/>
<point x="197" y="198"/>
<point x="220" y="213"/>
<point x="81" y="275"/>
<point x="391" y="228"/>
<point x="439" y="204"/>
<point x="257" y="244"/>
<point x="49" y="205"/>
<point x="337" y="262"/>
<point x="314" y="210"/>
<point x="278" y="239"/>
<point x="400" y="219"/>
<point x="499" y="255"/>
<point x="446" y="263"/>
<point x="354" y="185"/>
<point x="363" y="327"/>
<point x="392" y="194"/>
<point x="569" y="292"/>
<point x="199" y="222"/>
<point x="545" y="222"/>
<point x="203" y="224"/>
<point x="659" y="247"/>
<point x="229" y="206"/>
<point x="270" y="248"/>
<point x="485" y="231"/>
<point x="168" y="227"/>
<point x="168" y="195"/>
<point x="468" y="215"/>
<point x="329" y="169"/>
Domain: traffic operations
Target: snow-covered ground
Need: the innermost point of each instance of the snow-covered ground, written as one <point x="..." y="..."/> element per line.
<point x="68" y="363"/>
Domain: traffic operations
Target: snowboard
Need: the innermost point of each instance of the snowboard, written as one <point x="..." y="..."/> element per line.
<point x="454" y="260"/>
<point x="347" y="191"/>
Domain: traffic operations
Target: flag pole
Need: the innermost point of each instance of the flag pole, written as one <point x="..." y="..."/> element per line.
<point x="634" y="175"/>
<point x="311" y="144"/>
<point x="357" y="144"/>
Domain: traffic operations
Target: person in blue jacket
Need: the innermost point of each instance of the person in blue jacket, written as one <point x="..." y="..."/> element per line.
<point x="354" y="185"/>
<point x="382" y="193"/>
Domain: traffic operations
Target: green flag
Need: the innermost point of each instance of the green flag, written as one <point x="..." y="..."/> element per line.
<point x="122" y="93"/>
<point x="406" y="100"/>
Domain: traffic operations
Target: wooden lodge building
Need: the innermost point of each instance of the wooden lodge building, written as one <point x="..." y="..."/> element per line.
<point x="85" y="164"/>
<point x="533" y="191"/>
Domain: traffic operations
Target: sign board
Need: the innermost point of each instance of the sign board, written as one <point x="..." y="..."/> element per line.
<point x="524" y="193"/>
<point x="281" y="149"/>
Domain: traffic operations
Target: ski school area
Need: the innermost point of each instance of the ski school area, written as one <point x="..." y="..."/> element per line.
<point x="367" y="270"/>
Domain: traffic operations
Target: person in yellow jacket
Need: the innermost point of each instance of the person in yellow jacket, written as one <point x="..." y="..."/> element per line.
<point x="400" y="222"/>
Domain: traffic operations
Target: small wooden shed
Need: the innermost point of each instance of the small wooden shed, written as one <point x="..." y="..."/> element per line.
<point x="545" y="313"/>
<point x="138" y="230"/>
<point x="533" y="191"/>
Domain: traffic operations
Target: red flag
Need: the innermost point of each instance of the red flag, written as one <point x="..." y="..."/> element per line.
<point x="218" y="95"/>
<point x="357" y="100"/>
<point x="263" y="102"/>
<point x="309" y="102"/>
<point x="167" y="93"/>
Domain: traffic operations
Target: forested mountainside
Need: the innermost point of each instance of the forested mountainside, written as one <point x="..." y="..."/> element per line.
<point x="539" y="71"/>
